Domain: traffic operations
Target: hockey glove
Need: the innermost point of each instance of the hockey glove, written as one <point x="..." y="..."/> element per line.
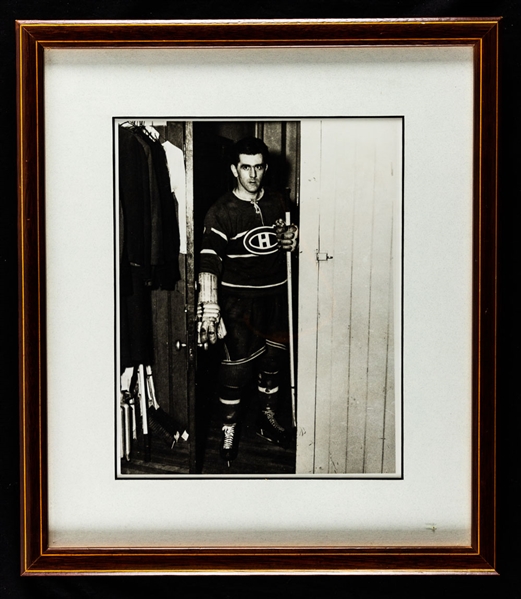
<point x="287" y="235"/>
<point x="210" y="327"/>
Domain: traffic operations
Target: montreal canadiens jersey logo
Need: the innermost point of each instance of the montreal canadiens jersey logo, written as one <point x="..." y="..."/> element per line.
<point x="261" y="241"/>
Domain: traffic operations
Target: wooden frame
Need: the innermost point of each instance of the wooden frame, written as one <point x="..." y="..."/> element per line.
<point x="36" y="557"/>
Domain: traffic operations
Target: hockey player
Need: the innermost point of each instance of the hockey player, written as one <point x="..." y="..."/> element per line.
<point x="242" y="292"/>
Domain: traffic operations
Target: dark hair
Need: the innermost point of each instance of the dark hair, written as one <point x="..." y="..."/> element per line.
<point x="250" y="146"/>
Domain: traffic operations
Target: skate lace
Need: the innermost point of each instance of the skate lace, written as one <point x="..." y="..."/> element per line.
<point x="229" y="432"/>
<point x="271" y="419"/>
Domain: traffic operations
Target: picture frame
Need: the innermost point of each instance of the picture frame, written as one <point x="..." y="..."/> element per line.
<point x="38" y="557"/>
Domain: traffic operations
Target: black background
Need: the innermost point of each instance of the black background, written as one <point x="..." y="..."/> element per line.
<point x="508" y="584"/>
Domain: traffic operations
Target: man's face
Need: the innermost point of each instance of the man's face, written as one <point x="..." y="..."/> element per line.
<point x="249" y="172"/>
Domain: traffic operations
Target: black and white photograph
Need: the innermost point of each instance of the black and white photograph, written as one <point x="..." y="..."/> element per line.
<point x="258" y="297"/>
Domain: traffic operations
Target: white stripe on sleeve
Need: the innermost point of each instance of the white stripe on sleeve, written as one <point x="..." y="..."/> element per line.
<point x="212" y="252"/>
<point x="220" y="233"/>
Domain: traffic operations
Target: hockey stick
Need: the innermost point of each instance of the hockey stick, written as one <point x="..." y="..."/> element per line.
<point x="290" y="321"/>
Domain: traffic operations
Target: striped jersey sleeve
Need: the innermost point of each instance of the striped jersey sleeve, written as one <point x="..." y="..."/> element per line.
<point x="214" y="243"/>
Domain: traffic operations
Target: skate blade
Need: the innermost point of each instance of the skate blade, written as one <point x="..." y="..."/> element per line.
<point x="266" y="438"/>
<point x="280" y="443"/>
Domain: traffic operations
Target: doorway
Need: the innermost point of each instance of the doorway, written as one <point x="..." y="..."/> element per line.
<point x="212" y="176"/>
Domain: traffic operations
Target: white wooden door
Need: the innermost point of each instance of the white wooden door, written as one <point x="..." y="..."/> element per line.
<point x="349" y="296"/>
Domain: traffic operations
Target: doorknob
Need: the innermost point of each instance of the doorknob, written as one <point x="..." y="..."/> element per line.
<point x="179" y="345"/>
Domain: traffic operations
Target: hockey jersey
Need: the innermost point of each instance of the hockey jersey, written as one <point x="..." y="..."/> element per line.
<point x="240" y="245"/>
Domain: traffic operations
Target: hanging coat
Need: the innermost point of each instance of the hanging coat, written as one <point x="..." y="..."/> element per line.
<point x="149" y="236"/>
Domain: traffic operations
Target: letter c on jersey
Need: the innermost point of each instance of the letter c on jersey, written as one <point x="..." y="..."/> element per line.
<point x="261" y="241"/>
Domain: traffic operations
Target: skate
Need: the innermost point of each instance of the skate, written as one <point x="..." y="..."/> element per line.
<point x="229" y="443"/>
<point x="268" y="428"/>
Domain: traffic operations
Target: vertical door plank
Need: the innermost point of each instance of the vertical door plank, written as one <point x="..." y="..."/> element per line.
<point x="326" y="301"/>
<point x="334" y="286"/>
<point x="392" y="450"/>
<point x="382" y="138"/>
<point x="308" y="296"/>
<point x="344" y="176"/>
<point x="360" y="298"/>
